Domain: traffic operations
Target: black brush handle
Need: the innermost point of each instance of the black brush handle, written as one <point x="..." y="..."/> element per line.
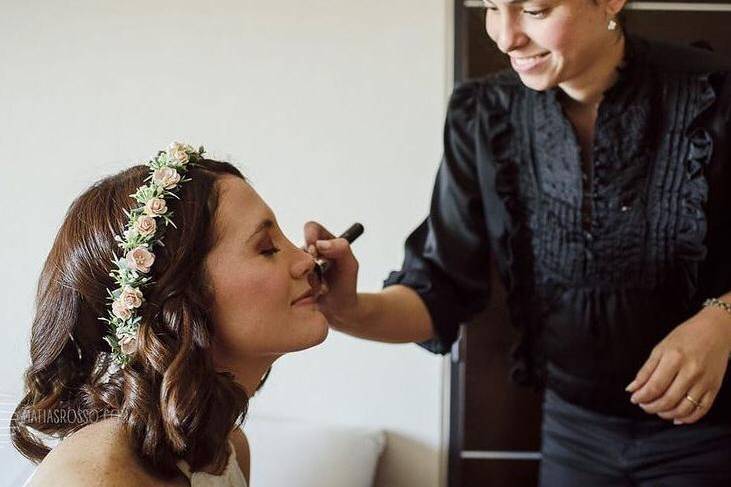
<point x="354" y="231"/>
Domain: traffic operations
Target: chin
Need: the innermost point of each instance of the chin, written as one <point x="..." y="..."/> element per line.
<point x="323" y="334"/>
<point x="312" y="333"/>
<point x="538" y="83"/>
<point x="321" y="330"/>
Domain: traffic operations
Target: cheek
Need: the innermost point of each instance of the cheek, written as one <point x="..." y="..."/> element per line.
<point x="254" y="292"/>
<point x="247" y="304"/>
<point x="491" y="28"/>
<point x="553" y="35"/>
<point x="576" y="34"/>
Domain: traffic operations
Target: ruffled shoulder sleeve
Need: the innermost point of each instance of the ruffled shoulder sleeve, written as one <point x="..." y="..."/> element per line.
<point x="696" y="84"/>
<point x="446" y="259"/>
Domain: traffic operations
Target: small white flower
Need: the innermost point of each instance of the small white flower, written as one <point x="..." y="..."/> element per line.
<point x="178" y="153"/>
<point x="155" y="207"/>
<point x="121" y="311"/>
<point x="140" y="259"/>
<point x="131" y="297"/>
<point x="146" y="226"/>
<point x="167" y="177"/>
<point x="128" y="345"/>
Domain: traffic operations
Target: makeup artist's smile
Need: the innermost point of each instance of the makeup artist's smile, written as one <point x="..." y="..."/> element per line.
<point x="528" y="63"/>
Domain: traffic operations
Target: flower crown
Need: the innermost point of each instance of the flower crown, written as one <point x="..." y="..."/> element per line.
<point x="141" y="235"/>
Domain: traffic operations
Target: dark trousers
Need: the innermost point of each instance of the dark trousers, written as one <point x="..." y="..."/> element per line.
<point x="582" y="448"/>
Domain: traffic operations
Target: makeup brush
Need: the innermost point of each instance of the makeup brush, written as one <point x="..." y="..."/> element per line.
<point x="355" y="231"/>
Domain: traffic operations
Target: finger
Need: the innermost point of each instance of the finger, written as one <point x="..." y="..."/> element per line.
<point x="645" y="372"/>
<point x="314" y="231"/>
<point x="705" y="402"/>
<point x="674" y="395"/>
<point x="324" y="289"/>
<point x="333" y="249"/>
<point x="660" y="380"/>
<point x="682" y="409"/>
<point x="344" y="264"/>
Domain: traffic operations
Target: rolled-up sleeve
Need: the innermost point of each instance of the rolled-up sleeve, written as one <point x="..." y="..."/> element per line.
<point x="446" y="259"/>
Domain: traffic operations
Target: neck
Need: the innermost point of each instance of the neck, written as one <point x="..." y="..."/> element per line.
<point x="588" y="88"/>
<point x="247" y="371"/>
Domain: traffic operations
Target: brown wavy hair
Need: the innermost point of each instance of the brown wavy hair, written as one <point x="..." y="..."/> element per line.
<point x="165" y="396"/>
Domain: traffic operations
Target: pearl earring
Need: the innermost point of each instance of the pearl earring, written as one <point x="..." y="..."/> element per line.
<point x="612" y="25"/>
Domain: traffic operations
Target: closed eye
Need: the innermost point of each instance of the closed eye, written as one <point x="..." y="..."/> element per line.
<point x="270" y="251"/>
<point x="536" y="13"/>
<point x="266" y="246"/>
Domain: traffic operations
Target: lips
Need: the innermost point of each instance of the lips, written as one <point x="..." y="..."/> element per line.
<point x="526" y="63"/>
<point x="306" y="297"/>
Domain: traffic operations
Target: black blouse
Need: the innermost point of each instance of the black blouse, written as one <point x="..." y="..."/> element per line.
<point x="600" y="263"/>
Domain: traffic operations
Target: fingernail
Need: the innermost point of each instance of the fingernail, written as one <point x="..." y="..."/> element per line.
<point x="633" y="400"/>
<point x="311" y="249"/>
<point x="677" y="421"/>
<point x="630" y="386"/>
<point x="323" y="244"/>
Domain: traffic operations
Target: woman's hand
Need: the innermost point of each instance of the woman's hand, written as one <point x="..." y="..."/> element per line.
<point x="339" y="303"/>
<point x="690" y="361"/>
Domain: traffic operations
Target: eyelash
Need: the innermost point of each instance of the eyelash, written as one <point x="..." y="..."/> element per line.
<point x="270" y="252"/>
<point x="533" y="13"/>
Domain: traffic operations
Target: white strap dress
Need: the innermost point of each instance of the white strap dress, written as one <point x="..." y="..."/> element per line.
<point x="232" y="476"/>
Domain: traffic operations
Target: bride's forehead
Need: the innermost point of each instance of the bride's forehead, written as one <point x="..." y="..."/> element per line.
<point x="240" y="208"/>
<point x="235" y="194"/>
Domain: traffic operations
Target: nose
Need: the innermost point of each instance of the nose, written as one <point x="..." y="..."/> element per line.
<point x="304" y="268"/>
<point x="509" y="36"/>
<point x="303" y="264"/>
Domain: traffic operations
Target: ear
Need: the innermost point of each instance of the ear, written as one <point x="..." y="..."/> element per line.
<point x="613" y="7"/>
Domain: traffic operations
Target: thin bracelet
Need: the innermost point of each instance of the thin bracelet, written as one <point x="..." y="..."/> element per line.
<point x="718" y="304"/>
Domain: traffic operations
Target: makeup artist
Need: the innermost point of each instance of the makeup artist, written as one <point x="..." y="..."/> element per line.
<point x="597" y="175"/>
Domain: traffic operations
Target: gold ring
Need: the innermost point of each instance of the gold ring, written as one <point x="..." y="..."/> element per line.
<point x="695" y="403"/>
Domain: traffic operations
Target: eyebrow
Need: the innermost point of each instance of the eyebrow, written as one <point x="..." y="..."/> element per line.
<point x="264" y="225"/>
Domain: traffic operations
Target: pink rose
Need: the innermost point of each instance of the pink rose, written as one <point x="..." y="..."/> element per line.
<point x="146" y="226"/>
<point x="140" y="259"/>
<point x="178" y="153"/>
<point x="155" y="207"/>
<point x="128" y="345"/>
<point x="167" y="177"/>
<point x="121" y="311"/>
<point x="131" y="297"/>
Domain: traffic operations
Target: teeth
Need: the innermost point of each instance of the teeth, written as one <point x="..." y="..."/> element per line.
<point x="526" y="62"/>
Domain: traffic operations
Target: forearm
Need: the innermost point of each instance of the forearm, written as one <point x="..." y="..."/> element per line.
<point x="395" y="315"/>
<point x="721" y="317"/>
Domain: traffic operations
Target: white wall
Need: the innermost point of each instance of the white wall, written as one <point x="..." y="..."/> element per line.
<point x="334" y="109"/>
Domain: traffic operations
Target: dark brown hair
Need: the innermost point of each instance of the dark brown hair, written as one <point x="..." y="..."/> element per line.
<point x="166" y="395"/>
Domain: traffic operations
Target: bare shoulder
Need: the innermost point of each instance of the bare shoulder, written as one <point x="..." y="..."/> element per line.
<point x="243" y="455"/>
<point x="98" y="454"/>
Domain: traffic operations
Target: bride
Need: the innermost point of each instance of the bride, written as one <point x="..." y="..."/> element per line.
<point x="157" y="317"/>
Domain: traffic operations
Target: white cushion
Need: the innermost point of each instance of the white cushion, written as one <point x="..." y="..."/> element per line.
<point x="283" y="452"/>
<point x="306" y="454"/>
